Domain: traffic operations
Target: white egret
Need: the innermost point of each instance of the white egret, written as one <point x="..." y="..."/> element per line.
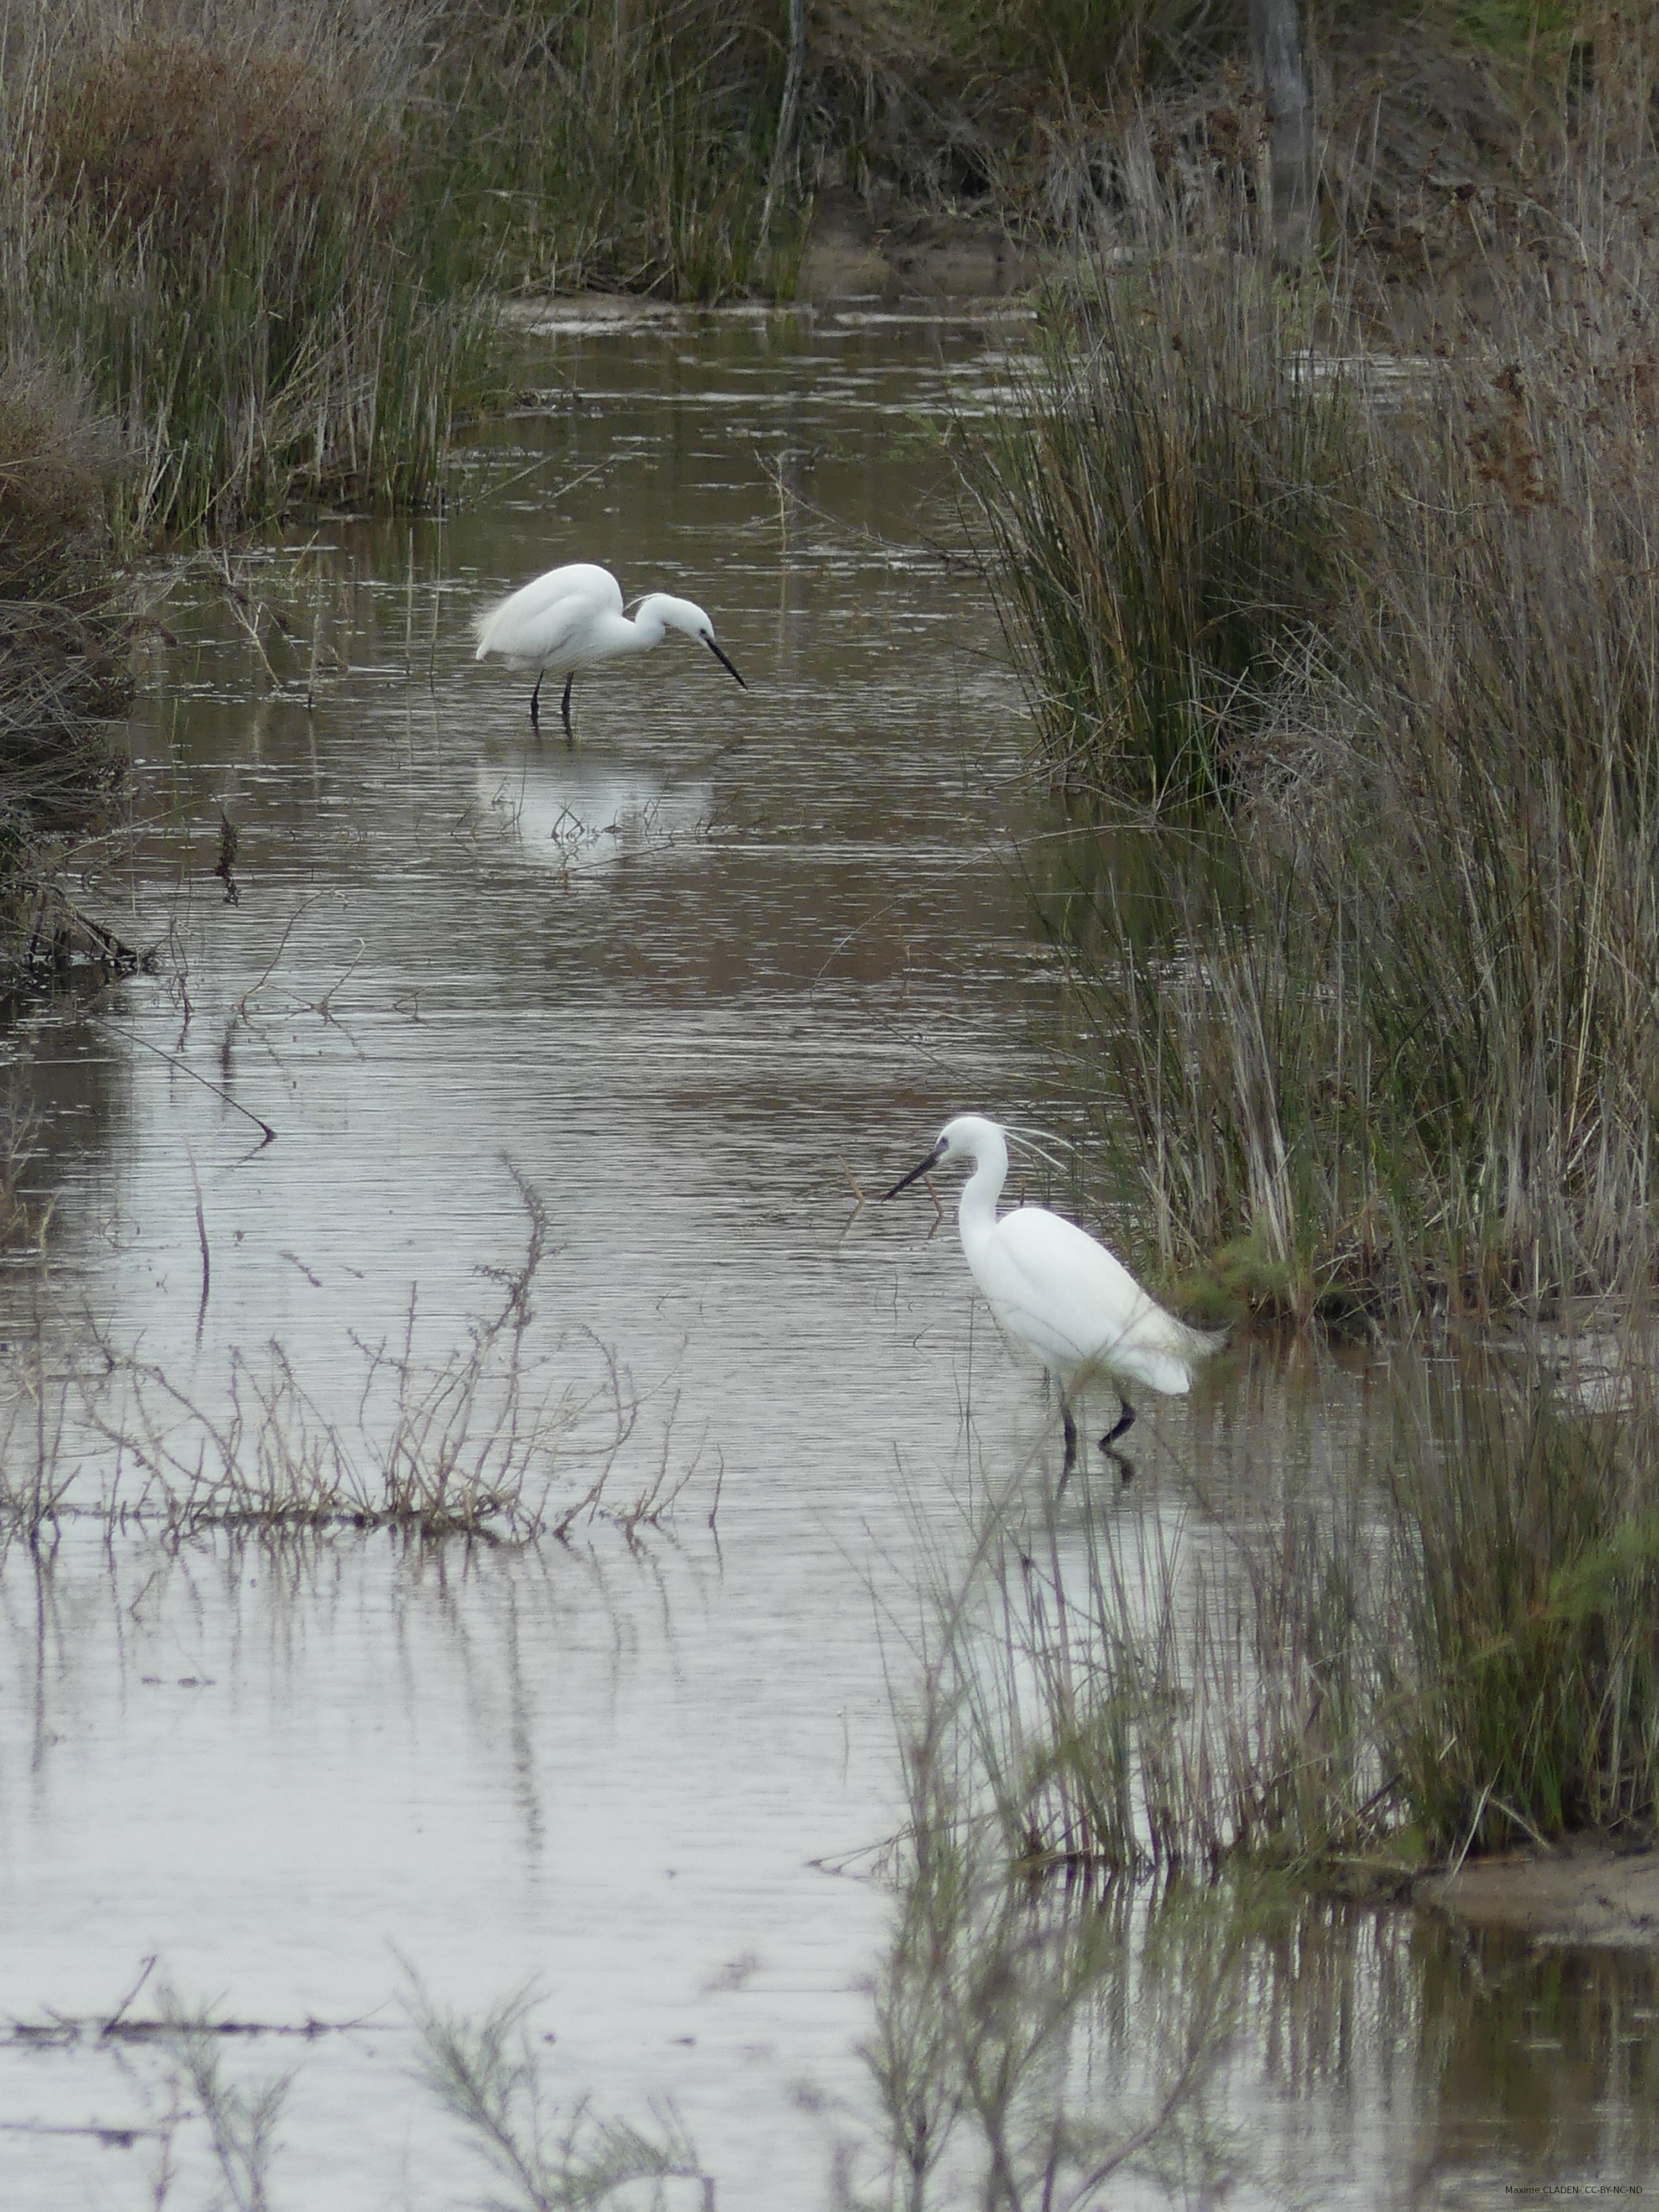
<point x="1058" y="1291"/>
<point x="572" y="618"/>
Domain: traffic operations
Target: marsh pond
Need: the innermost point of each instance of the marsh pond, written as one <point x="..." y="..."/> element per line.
<point x="583" y="1067"/>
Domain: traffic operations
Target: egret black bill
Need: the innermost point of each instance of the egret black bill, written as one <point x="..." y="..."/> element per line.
<point x="916" y="1174"/>
<point x="723" y="662"/>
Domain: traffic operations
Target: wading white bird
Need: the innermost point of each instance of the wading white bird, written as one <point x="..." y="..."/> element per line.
<point x="1058" y="1291"/>
<point x="572" y="618"/>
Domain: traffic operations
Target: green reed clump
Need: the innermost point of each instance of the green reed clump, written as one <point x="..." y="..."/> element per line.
<point x="223" y="237"/>
<point x="985" y="1998"/>
<point x="588" y="145"/>
<point x="1165" y="504"/>
<point x="1328" y="1672"/>
<point x="1521" y="1694"/>
<point x="1182" y="1696"/>
<point x="1235" y="1121"/>
<point x="1382" y="1030"/>
<point x="1400" y="1043"/>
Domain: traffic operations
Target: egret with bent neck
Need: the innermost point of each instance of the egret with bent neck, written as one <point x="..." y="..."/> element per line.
<point x="1058" y="1290"/>
<point x="572" y="618"/>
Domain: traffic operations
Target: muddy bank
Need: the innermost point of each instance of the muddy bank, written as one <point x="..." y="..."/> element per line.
<point x="920" y="262"/>
<point x="917" y="257"/>
<point x="1583" y="1892"/>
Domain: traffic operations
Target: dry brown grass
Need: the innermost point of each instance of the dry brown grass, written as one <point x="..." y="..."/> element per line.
<point x="211" y="212"/>
<point x="177" y="137"/>
<point x="58" y="457"/>
<point x="64" y="661"/>
<point x="488" y="1441"/>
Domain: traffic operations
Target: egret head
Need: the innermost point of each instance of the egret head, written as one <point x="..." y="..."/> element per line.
<point x="969" y="1136"/>
<point x="663" y="610"/>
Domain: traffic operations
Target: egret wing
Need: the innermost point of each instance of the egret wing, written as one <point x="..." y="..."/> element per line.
<point x="538" y="621"/>
<point x="1078" y="1304"/>
<point x="1058" y="1287"/>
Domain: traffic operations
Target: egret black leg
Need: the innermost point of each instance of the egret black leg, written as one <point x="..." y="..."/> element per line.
<point x="1125" y="1415"/>
<point x="569" y="734"/>
<point x="1125" y="1421"/>
<point x="535" y="696"/>
<point x="1071" y="1445"/>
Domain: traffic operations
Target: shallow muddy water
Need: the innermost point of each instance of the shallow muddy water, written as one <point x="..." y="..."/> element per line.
<point x="699" y="981"/>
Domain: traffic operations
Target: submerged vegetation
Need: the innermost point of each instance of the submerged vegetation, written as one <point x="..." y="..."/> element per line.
<point x="1172" y="1759"/>
<point x="986" y="1991"/>
<point x="1036" y="2040"/>
<point x="484" y="1443"/>
<point x="484" y="2074"/>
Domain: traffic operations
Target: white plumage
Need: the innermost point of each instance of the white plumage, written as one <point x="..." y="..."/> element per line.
<point x="572" y="617"/>
<point x="1058" y="1289"/>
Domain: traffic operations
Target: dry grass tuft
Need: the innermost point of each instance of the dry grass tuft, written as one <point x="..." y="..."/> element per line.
<point x="180" y="138"/>
<point x="217" y="223"/>
<point x="486" y="1443"/>
<point x="58" y="459"/>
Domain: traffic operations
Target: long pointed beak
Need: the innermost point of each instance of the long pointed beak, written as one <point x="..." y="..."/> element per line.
<point x="723" y="662"/>
<point x="917" y="1173"/>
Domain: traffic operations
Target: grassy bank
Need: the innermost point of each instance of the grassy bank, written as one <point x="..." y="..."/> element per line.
<point x="679" y="146"/>
<point x="1363" y="642"/>
<point x="223" y="234"/>
<point x="64" y="649"/>
<point x="219" y="302"/>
